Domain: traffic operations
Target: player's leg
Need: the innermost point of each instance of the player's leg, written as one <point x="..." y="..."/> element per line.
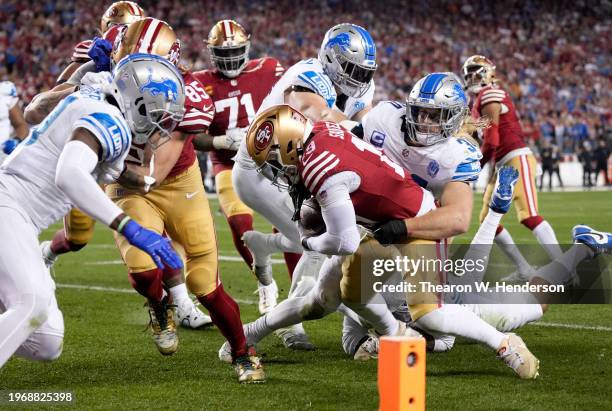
<point x="25" y="289"/>
<point x="239" y="217"/>
<point x="188" y="221"/>
<point x="502" y="236"/>
<point x="526" y="204"/>
<point x="77" y="232"/>
<point x="46" y="343"/>
<point x="435" y="318"/>
<point x="144" y="275"/>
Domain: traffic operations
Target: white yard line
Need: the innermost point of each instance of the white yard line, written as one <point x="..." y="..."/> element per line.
<point x="125" y="291"/>
<point x="231" y="258"/>
<point x="252" y="302"/>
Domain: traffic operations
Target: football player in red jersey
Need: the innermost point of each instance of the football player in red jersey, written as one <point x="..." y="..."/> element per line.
<point x="354" y="182"/>
<point x="503" y="144"/>
<point x="237" y="85"/>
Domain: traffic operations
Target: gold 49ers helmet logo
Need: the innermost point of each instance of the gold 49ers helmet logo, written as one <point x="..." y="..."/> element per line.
<point x="263" y="135"/>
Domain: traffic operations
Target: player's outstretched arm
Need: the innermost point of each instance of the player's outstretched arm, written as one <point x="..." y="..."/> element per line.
<point x="451" y="219"/>
<point x="313" y="106"/>
<point x="42" y="104"/>
<point x="73" y="176"/>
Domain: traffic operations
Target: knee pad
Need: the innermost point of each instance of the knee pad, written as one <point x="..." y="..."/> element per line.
<point x="79" y="229"/>
<point x="202" y="274"/>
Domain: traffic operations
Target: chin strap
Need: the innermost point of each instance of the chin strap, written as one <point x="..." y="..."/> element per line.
<point x="298" y="193"/>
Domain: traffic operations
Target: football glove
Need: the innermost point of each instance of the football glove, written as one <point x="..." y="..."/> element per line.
<point x="9" y="145"/>
<point x="231" y="140"/>
<point x="97" y="79"/>
<point x="391" y="232"/>
<point x="100" y="53"/>
<point x="150" y="242"/>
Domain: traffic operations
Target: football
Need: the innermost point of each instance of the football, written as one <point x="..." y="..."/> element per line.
<point x="311" y="221"/>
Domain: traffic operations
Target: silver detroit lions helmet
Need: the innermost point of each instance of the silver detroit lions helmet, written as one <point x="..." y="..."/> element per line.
<point x="435" y="109"/>
<point x="151" y="94"/>
<point x="348" y="56"/>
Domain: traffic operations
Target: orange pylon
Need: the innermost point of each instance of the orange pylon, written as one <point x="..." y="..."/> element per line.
<point x="401" y="374"/>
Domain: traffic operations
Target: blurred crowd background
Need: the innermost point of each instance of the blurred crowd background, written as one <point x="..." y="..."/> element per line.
<point x="554" y="57"/>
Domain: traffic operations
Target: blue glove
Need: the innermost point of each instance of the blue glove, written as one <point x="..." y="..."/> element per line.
<point x="100" y="54"/>
<point x="150" y="242"/>
<point x="9" y="145"/>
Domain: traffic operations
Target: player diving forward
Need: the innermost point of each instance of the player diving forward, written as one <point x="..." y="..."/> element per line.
<point x="84" y="141"/>
<point x="336" y="86"/>
<point x="347" y="176"/>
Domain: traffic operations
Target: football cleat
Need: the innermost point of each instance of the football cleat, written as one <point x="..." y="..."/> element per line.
<point x="501" y="200"/>
<point x="268" y="295"/>
<point x="225" y="353"/>
<point x="598" y="241"/>
<point x="517" y="356"/>
<point x="189" y="316"/>
<point x="367" y="350"/>
<point x="163" y="327"/>
<point x="295" y="338"/>
<point x="48" y="256"/>
<point x="249" y="369"/>
<point x="257" y="244"/>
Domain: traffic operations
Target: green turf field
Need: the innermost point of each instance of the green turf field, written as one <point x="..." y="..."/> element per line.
<point x="110" y="362"/>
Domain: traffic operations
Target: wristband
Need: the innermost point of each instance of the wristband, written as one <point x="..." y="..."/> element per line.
<point x="305" y="244"/>
<point x="219" y="142"/>
<point x="123" y="223"/>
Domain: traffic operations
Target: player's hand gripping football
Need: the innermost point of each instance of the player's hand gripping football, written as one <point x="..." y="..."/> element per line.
<point x="150" y="242"/>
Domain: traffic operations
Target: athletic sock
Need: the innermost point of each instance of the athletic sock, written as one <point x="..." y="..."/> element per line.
<point x="148" y="284"/>
<point x="238" y="225"/>
<point x="545" y="235"/>
<point x="506" y="243"/>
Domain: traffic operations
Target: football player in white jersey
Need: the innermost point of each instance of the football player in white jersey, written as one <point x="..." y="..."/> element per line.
<point x="11" y="119"/>
<point x="336" y="86"/>
<point x="82" y="142"/>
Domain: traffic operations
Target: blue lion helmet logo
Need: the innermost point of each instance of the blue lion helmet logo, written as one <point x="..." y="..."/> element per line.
<point x="167" y="87"/>
<point x="459" y="93"/>
<point x="342" y="40"/>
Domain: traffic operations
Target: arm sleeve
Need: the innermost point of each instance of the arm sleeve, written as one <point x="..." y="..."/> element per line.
<point x="73" y="176"/>
<point x="342" y="235"/>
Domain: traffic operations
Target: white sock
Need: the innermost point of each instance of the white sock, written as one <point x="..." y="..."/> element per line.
<point x="352" y="334"/>
<point x="278" y="242"/>
<point x="306" y="272"/>
<point x="458" y="320"/>
<point x="508" y="317"/>
<point x="560" y="270"/>
<point x="179" y="294"/>
<point x="547" y="239"/>
<point x="377" y="313"/>
<point x="506" y="243"/>
<point x="480" y="247"/>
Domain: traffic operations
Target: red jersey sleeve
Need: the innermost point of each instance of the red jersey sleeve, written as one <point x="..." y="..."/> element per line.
<point x="79" y="55"/>
<point x="321" y="158"/>
<point x="199" y="107"/>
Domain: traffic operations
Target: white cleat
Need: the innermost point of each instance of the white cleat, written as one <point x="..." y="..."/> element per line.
<point x="517" y="356"/>
<point x="295" y="338"/>
<point x="257" y="244"/>
<point x="268" y="296"/>
<point x="225" y="353"/>
<point x="48" y="257"/>
<point x="189" y="316"/>
<point x="368" y="350"/>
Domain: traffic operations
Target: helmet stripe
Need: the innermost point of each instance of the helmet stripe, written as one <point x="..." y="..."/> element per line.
<point x="147" y="35"/>
<point x="132" y="9"/>
<point x="430" y="85"/>
<point x="370" y="46"/>
<point x="141" y="45"/>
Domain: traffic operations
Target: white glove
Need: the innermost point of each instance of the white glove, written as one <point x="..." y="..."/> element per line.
<point x="92" y="79"/>
<point x="231" y="140"/>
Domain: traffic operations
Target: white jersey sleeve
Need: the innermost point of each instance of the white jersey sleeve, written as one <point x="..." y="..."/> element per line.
<point x="8" y="99"/>
<point x="32" y="166"/>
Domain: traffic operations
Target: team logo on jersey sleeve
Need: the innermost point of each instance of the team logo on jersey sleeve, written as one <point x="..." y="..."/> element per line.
<point x="378" y="139"/>
<point x="433" y="168"/>
<point x="263" y="135"/>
